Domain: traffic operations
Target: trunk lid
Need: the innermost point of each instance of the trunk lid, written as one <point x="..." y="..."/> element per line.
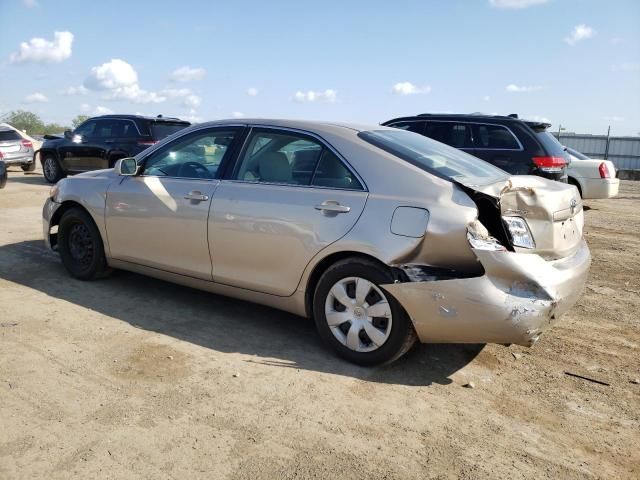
<point x="553" y="212"/>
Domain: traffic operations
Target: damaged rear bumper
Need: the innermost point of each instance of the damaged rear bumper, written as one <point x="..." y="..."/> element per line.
<point x="518" y="296"/>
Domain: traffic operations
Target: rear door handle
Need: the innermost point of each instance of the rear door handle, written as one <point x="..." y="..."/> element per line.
<point x="331" y="206"/>
<point x="196" y="196"/>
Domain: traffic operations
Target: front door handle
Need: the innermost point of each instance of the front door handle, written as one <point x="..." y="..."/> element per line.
<point x="332" y="206"/>
<point x="196" y="196"/>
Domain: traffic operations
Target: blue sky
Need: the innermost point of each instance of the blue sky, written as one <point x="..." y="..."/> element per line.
<point x="574" y="62"/>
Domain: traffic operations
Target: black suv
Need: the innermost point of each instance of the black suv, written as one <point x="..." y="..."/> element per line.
<point x="100" y="141"/>
<point x="519" y="147"/>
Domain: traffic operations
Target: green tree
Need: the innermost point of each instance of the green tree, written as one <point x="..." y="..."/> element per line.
<point x="78" y="120"/>
<point x="25" y="121"/>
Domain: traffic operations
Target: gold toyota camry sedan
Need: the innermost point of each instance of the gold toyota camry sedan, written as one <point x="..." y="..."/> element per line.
<point x="382" y="236"/>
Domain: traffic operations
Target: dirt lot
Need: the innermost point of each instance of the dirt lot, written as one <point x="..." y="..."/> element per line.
<point x="131" y="377"/>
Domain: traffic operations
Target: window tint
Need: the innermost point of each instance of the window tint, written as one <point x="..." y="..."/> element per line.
<point x="194" y="156"/>
<point x="433" y="157"/>
<point x="278" y="158"/>
<point x="455" y="134"/>
<point x="494" y="137"/>
<point x="9" y="135"/>
<point x="86" y="129"/>
<point x="107" y="128"/>
<point x="160" y="130"/>
<point x="331" y="172"/>
<point x="416" y="127"/>
<point x="129" y="130"/>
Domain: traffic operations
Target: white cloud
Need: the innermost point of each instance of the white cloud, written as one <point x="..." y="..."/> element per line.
<point x="193" y="117"/>
<point x="237" y="114"/>
<point x="626" y="67"/>
<point x="579" y="33"/>
<point x="111" y="75"/>
<point x="30" y="3"/>
<point x="35" y="98"/>
<point x="120" y="80"/>
<point x="175" y="92"/>
<point x="522" y="88"/>
<point x="516" y="4"/>
<point x="99" y="110"/>
<point x="185" y="74"/>
<point x="39" y="50"/>
<point x="252" y="92"/>
<point x="408" y="88"/>
<point x="486" y="98"/>
<point x="79" y="90"/>
<point x="329" y="96"/>
<point x="192" y="101"/>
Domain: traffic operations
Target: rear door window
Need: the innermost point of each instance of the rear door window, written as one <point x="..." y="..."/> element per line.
<point x="494" y="137"/>
<point x="410" y="126"/>
<point x="160" y="130"/>
<point x="457" y="135"/>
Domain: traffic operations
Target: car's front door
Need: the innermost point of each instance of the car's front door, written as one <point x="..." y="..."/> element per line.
<point x="289" y="196"/>
<point x="76" y="151"/>
<point x="158" y="218"/>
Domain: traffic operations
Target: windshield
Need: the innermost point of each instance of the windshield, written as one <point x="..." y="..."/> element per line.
<point x="160" y="130"/>
<point x="577" y="154"/>
<point x="434" y="157"/>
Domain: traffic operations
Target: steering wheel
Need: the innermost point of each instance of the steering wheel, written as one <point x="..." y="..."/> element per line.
<point x="197" y="168"/>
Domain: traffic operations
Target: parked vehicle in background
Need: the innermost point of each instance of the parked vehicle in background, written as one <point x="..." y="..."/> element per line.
<point x="380" y="235"/>
<point x="594" y="178"/>
<point x="3" y="173"/>
<point x="100" y="141"/>
<point x="16" y="150"/>
<point x="520" y="147"/>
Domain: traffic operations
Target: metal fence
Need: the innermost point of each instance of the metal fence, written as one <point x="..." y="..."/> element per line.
<point x="624" y="152"/>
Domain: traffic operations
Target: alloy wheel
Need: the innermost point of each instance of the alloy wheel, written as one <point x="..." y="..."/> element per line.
<point x="50" y="168"/>
<point x="358" y="314"/>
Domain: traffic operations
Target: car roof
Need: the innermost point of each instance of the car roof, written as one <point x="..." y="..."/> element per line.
<point x="475" y="116"/>
<point x="335" y="127"/>
<point x="139" y="117"/>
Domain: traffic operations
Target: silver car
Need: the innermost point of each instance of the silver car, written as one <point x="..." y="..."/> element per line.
<point x="382" y="236"/>
<point x="16" y="150"/>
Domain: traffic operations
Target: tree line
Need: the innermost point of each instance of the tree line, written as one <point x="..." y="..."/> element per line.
<point x="32" y="124"/>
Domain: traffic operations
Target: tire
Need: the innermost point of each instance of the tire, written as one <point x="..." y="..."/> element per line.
<point x="51" y="169"/>
<point x="80" y="245"/>
<point x="355" y="334"/>
<point x="28" y="167"/>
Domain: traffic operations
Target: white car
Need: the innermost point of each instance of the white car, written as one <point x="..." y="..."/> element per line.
<point x="594" y="178"/>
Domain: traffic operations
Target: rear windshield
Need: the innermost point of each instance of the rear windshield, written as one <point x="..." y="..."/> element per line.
<point x="9" y="135"/>
<point x="434" y="157"/>
<point x="160" y="130"/>
<point x="550" y="143"/>
<point x="577" y="154"/>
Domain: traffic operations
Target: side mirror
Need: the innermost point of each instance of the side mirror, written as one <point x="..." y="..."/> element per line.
<point x="68" y="134"/>
<point x="126" y="167"/>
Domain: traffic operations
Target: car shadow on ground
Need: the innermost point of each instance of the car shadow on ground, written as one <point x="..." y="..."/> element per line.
<point x="222" y="324"/>
<point x="27" y="178"/>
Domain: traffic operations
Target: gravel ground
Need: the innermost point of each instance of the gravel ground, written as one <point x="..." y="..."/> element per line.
<point x="131" y="377"/>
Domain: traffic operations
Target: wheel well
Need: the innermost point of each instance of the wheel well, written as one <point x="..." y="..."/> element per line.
<point x="44" y="153"/>
<point x="574" y="182"/>
<point x="322" y="267"/>
<point x="55" y="219"/>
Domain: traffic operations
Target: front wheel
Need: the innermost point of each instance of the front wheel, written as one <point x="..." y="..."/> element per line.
<point x="80" y="245"/>
<point x="51" y="170"/>
<point x="357" y="318"/>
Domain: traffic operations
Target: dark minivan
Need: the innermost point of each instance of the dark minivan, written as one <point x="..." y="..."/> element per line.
<point x="520" y="147"/>
<point x="99" y="141"/>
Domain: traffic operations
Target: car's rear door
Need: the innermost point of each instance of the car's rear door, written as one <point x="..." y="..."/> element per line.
<point x="454" y="133"/>
<point x="499" y="146"/>
<point x="159" y="217"/>
<point x="289" y="196"/>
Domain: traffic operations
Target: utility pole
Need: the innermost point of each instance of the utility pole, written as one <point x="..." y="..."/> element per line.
<point x="606" y="150"/>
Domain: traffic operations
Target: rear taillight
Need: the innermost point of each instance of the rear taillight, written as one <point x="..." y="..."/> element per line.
<point x="550" y="164"/>
<point x="27" y="144"/>
<point x="604" y="170"/>
<point x="147" y="143"/>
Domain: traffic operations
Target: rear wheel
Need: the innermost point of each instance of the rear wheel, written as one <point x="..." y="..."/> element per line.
<point x="357" y="318"/>
<point x="51" y="169"/>
<point x="80" y="245"/>
<point x="28" y="167"/>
